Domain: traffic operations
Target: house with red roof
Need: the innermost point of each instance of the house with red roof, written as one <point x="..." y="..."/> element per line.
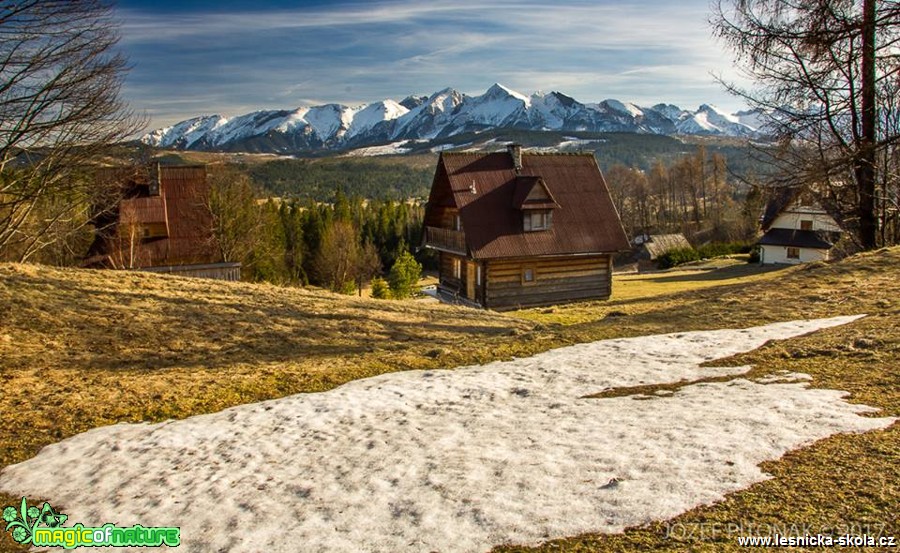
<point x="161" y="222"/>
<point x="517" y="229"/>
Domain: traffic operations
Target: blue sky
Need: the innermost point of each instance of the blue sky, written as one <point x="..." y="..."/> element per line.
<point x="231" y="57"/>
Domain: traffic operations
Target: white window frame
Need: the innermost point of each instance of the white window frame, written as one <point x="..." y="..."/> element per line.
<point x="790" y="250"/>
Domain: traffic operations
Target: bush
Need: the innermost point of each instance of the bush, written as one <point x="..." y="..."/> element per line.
<point x="380" y="289"/>
<point x="404" y="276"/>
<point x="676" y="257"/>
<point x="754" y="255"/>
<point x="718" y="249"/>
<point x="348" y="288"/>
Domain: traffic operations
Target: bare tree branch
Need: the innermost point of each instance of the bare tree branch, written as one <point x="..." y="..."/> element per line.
<point x="60" y="109"/>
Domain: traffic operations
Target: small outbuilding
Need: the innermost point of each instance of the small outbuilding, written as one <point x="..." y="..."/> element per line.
<point x="651" y="247"/>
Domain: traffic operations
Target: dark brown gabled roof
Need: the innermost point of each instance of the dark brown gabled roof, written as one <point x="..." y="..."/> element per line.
<point x="144" y="210"/>
<point x="585" y="222"/>
<point x="821" y="240"/>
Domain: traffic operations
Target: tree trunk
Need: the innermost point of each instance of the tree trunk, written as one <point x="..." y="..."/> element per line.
<point x="865" y="162"/>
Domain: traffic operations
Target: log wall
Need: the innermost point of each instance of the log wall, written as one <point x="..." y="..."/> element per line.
<point x="556" y="280"/>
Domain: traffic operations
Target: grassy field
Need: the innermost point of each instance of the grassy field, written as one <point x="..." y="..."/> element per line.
<point x="724" y="272"/>
<point x="80" y="349"/>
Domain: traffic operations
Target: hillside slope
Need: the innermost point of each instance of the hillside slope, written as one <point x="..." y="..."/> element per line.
<point x="81" y="349"/>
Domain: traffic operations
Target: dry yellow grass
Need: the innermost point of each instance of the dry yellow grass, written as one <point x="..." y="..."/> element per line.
<point x="632" y="286"/>
<point x="80" y="349"/>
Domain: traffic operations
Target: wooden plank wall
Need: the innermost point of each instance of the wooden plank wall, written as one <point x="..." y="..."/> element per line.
<point x="446" y="272"/>
<point x="442" y="217"/>
<point x="557" y="280"/>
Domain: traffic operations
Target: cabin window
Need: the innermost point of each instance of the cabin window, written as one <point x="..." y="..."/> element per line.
<point x="478" y="275"/>
<point x="457" y="268"/>
<point x="527" y="275"/>
<point x="805" y="224"/>
<point x="538" y="220"/>
<point x="793" y="253"/>
<point x="457" y="222"/>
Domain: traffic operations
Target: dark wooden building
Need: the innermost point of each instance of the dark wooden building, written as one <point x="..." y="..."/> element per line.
<point x="517" y="229"/>
<point x="161" y="222"/>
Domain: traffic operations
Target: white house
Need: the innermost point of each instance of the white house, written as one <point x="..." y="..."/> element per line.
<point x="796" y="229"/>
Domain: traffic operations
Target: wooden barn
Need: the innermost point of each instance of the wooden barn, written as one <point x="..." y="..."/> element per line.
<point x="516" y="229"/>
<point x="160" y="223"/>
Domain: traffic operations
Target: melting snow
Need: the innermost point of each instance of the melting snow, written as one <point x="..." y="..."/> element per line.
<point x="455" y="460"/>
<point x="383" y="150"/>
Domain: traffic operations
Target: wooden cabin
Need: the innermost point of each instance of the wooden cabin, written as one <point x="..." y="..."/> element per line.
<point x="515" y="229"/>
<point x="796" y="228"/>
<point x="161" y="222"/>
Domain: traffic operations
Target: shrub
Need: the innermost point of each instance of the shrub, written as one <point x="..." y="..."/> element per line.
<point x="754" y="255"/>
<point x="676" y="257"/>
<point x="380" y="289"/>
<point x="717" y="249"/>
<point x="404" y="276"/>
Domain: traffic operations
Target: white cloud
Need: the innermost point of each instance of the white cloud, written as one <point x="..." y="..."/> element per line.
<point x="366" y="52"/>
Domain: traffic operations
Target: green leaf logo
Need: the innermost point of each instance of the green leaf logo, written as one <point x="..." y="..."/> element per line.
<point x="24" y="520"/>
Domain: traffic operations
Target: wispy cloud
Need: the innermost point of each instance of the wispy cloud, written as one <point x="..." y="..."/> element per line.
<point x="360" y="52"/>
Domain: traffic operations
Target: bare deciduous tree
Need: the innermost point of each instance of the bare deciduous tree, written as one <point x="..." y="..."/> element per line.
<point x="820" y="68"/>
<point x="60" y="107"/>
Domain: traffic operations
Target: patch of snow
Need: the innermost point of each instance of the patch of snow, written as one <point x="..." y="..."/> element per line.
<point x="456" y="461"/>
<point x="329" y="121"/>
<point x="296" y="119"/>
<point x="187" y="132"/>
<point x="630" y="109"/>
<point x="447" y="147"/>
<point x="393" y="148"/>
<point x="366" y="117"/>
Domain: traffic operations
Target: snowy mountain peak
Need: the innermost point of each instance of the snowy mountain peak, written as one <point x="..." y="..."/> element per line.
<point x="498" y="91"/>
<point x="444" y="113"/>
<point x="623" y="107"/>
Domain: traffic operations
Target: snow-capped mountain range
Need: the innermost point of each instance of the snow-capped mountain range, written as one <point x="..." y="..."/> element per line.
<point x="443" y="114"/>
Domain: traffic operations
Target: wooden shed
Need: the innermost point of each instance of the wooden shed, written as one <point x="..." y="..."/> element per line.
<point x="650" y="247"/>
<point x="516" y="229"/>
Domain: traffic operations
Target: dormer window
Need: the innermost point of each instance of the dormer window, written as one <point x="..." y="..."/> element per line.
<point x="537" y="220"/>
<point x="533" y="198"/>
<point x="806" y="224"/>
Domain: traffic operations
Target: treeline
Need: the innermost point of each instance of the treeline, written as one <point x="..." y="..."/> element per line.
<point x="317" y="180"/>
<point x="693" y="194"/>
<point x="341" y="245"/>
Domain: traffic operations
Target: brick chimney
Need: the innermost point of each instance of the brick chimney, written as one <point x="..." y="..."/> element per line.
<point x="515" y="151"/>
